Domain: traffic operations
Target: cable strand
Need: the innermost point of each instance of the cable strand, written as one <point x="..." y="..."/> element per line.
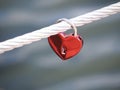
<point x="59" y="27"/>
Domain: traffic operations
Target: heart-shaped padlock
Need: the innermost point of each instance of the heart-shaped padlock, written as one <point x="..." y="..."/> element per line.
<point x="66" y="46"/>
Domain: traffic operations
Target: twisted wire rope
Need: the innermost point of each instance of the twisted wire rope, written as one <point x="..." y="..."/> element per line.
<point x="58" y="27"/>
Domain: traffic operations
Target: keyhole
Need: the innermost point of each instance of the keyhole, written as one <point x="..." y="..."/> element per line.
<point x="63" y="51"/>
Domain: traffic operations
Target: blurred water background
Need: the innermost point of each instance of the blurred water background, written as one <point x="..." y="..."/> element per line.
<point x="37" y="67"/>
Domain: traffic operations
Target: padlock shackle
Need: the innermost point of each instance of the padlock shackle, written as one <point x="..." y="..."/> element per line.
<point x="70" y="23"/>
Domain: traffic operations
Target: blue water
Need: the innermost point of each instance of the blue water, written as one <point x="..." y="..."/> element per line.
<point x="37" y="67"/>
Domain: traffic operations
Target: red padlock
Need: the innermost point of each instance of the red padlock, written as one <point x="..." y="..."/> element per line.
<point x="66" y="46"/>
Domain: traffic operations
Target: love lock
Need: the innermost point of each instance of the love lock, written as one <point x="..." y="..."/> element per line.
<point x="66" y="46"/>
